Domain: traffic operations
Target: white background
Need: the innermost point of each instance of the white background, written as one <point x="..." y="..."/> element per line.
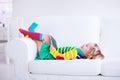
<point x="36" y="8"/>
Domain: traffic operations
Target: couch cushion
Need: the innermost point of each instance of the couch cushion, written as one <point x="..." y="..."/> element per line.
<point x="109" y="40"/>
<point x="111" y="67"/>
<point x="65" y="67"/>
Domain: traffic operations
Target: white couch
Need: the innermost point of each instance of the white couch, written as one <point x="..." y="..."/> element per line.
<point x="71" y="30"/>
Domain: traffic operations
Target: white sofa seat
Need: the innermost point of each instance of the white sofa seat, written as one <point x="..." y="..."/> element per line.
<point x="66" y="67"/>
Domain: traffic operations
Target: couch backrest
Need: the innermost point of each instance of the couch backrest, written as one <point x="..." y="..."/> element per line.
<point x="109" y="39"/>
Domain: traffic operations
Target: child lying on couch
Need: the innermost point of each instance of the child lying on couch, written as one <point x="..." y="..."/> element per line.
<point x="47" y="50"/>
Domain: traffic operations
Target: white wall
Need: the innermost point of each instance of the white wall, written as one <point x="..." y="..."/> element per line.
<point x="36" y="8"/>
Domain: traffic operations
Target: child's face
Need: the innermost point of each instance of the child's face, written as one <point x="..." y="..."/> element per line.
<point x="85" y="48"/>
<point x="91" y="51"/>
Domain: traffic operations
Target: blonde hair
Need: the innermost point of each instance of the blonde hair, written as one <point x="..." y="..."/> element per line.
<point x="95" y="53"/>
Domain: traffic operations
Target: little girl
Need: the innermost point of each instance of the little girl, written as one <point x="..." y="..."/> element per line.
<point x="45" y="43"/>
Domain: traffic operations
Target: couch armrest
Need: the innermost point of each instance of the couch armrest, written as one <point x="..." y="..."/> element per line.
<point x="21" y="51"/>
<point x="21" y="48"/>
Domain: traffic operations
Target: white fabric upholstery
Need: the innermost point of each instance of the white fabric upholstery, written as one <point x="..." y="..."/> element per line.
<point x="111" y="67"/>
<point x="109" y="39"/>
<point x="109" y="42"/>
<point x="17" y="47"/>
<point x="21" y="51"/>
<point x="71" y="77"/>
<point x="66" y="67"/>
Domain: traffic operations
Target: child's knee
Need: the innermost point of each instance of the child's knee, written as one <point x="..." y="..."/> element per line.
<point x="46" y="39"/>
